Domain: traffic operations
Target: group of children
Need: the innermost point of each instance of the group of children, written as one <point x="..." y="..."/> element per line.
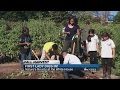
<point x="105" y="47"/>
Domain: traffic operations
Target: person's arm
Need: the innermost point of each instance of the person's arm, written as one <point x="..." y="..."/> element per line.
<point x="100" y="51"/>
<point x="113" y="52"/>
<point x="97" y="45"/>
<point x="65" y="32"/>
<point x="22" y="43"/>
<point x="100" y="48"/>
<point x="30" y="41"/>
<point x="113" y="49"/>
<point x="87" y="45"/>
<point x="66" y="60"/>
<point x="78" y="32"/>
<point x="28" y="44"/>
<point x="57" y="57"/>
<point x="46" y="54"/>
<point x="73" y="48"/>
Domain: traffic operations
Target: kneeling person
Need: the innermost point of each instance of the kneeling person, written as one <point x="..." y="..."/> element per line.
<point x="70" y="58"/>
<point x="49" y="51"/>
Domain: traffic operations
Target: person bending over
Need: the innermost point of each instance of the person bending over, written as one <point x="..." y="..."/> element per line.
<point x="72" y="59"/>
<point x="50" y="51"/>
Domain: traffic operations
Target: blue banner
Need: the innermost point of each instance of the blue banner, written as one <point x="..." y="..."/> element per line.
<point x="62" y="65"/>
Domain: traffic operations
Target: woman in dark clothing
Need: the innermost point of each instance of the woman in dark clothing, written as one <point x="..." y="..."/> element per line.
<point x="25" y="45"/>
<point x="70" y="30"/>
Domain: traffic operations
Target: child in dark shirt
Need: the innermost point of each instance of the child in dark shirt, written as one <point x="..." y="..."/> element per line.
<point x="25" y="45"/>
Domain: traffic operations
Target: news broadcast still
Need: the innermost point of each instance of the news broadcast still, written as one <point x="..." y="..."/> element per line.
<point x="59" y="45"/>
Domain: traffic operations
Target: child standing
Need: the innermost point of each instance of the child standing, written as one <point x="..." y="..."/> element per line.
<point x="107" y="54"/>
<point x="92" y="46"/>
<point x="25" y="45"/>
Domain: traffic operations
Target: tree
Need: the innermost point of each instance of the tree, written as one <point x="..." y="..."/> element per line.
<point x="117" y="17"/>
<point x="17" y="15"/>
<point x="58" y="16"/>
<point x="82" y="15"/>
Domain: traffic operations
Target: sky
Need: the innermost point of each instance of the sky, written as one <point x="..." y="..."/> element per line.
<point x="113" y="12"/>
<point x="111" y="15"/>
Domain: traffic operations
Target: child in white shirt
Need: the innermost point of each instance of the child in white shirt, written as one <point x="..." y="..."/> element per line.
<point x="71" y="59"/>
<point x="107" y="54"/>
<point x="92" y="46"/>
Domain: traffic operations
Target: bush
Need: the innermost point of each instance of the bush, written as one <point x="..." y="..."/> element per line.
<point x="117" y="18"/>
<point x="42" y="31"/>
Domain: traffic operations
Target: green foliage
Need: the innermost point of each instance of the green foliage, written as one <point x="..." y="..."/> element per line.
<point x="17" y="15"/>
<point x="117" y="18"/>
<point x="82" y="15"/>
<point x="58" y="16"/>
<point x="9" y="40"/>
<point x="42" y="31"/>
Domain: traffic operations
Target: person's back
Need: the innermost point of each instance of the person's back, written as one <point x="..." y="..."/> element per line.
<point x="50" y="51"/>
<point x="71" y="59"/>
<point x="48" y="46"/>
